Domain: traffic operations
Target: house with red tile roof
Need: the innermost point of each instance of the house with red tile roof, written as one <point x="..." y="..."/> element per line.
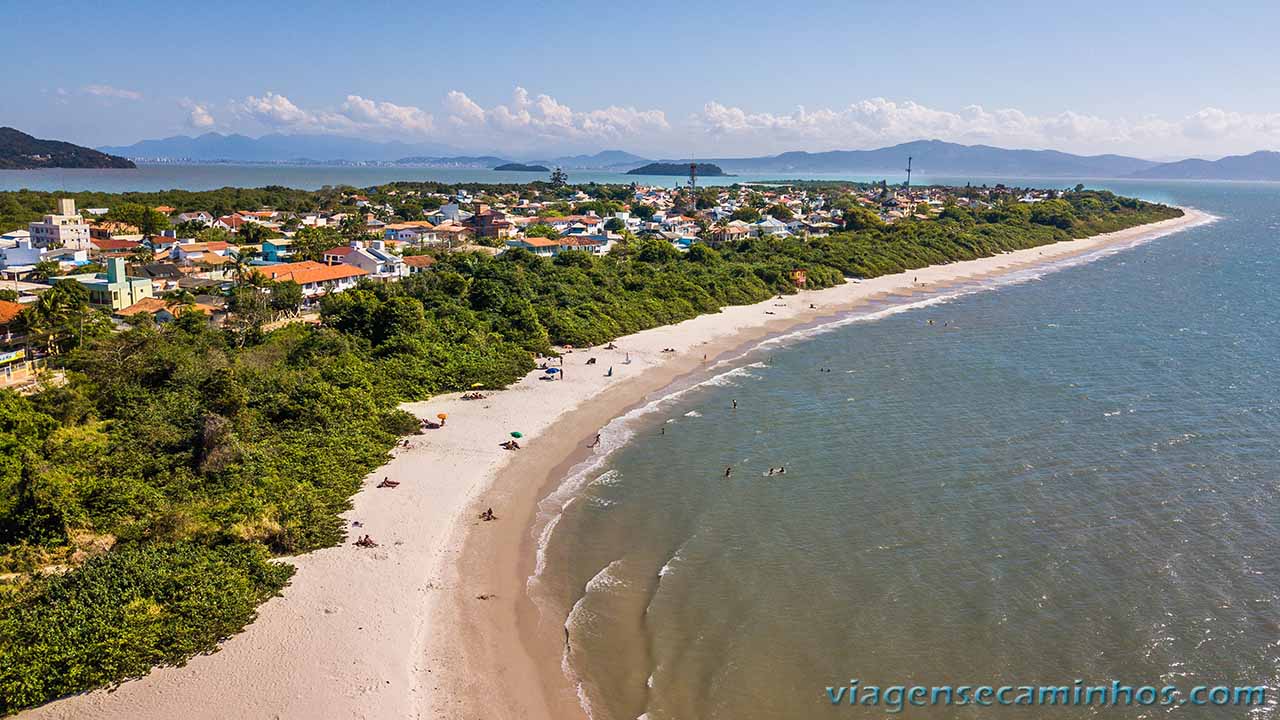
<point x="418" y="263"/>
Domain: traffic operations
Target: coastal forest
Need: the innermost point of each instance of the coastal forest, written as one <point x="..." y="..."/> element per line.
<point x="144" y="503"/>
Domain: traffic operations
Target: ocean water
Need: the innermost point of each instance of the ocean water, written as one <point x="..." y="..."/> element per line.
<point x="148" y="178"/>
<point x="1072" y="474"/>
<point x="305" y="177"/>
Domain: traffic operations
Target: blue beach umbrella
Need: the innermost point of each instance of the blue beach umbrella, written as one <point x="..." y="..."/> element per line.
<point x="552" y="371"/>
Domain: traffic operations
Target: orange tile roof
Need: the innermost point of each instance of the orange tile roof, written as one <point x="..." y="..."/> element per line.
<point x="113" y="244"/>
<point x="145" y="305"/>
<point x="9" y="311"/>
<point x="308" y="271"/>
<point x="540" y="242"/>
<point x="419" y="261"/>
<point x="153" y="305"/>
<point x="204" y="246"/>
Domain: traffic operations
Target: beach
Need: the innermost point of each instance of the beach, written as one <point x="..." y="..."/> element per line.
<point x="435" y="622"/>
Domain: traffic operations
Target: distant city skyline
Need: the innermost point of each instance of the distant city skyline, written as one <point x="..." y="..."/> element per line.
<point x="666" y="80"/>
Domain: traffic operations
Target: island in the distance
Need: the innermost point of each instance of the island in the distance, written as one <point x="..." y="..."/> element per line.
<point x="521" y="167"/>
<point x="20" y="151"/>
<point x="670" y="168"/>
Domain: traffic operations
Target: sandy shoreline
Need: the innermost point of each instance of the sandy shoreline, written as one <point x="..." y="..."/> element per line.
<point x="399" y="631"/>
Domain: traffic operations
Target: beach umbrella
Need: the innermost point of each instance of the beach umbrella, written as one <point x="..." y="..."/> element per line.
<point x="517" y="434"/>
<point x="552" y="371"/>
<point x="442" y="416"/>
<point x="476" y="385"/>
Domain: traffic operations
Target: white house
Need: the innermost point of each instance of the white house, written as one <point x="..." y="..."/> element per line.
<point x="315" y="278"/>
<point x="373" y="258"/>
<point x="22" y="254"/>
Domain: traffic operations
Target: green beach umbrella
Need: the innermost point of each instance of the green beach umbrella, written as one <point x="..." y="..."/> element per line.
<point x="516" y="434"/>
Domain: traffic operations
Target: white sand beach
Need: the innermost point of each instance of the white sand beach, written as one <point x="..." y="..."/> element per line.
<point x="400" y="631"/>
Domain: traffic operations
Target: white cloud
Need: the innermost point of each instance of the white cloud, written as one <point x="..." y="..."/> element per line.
<point x="387" y="115"/>
<point x="529" y="121"/>
<point x="112" y="92"/>
<point x="279" y="112"/>
<point x="198" y="116"/>
<point x="878" y="121"/>
<point x="541" y="123"/>
<point x="355" y="115"/>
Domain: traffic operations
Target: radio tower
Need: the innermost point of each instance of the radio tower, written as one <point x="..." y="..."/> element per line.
<point x="908" y="171"/>
<point x="693" y="185"/>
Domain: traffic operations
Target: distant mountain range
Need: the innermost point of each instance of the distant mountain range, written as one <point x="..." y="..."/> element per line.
<point x="1262" y="165"/>
<point x="20" y="151"/>
<point x="934" y="157"/>
<point x="930" y="158"/>
<point x="214" y="147"/>
<point x="611" y="160"/>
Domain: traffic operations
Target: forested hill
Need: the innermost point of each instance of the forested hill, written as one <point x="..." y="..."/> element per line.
<point x="142" y="499"/>
<point x="676" y="168"/>
<point x="20" y="151"/>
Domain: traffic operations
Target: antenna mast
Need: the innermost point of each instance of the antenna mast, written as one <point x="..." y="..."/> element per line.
<point x="693" y="185"/>
<point x="908" y="171"/>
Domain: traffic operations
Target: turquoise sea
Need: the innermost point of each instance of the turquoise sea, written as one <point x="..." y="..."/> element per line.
<point x="1077" y="477"/>
<point x="314" y="177"/>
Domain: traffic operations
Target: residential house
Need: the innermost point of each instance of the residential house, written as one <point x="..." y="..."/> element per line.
<point x="452" y="234"/>
<point x="111" y="247"/>
<point x="277" y="250"/>
<point x="373" y="258"/>
<point x="316" y="279"/>
<point x="446" y="213"/>
<point x="163" y="311"/>
<point x="418" y="263"/>
<point x="198" y="216"/>
<point x="732" y="231"/>
<point x="769" y="225"/>
<point x="490" y="223"/>
<point x="113" y="289"/>
<point x="594" y="244"/>
<point x="543" y="247"/>
<point x="415" y="233"/>
<point x="192" y="252"/>
<point x="23" y="254"/>
<point x="230" y="223"/>
<point x="9" y="312"/>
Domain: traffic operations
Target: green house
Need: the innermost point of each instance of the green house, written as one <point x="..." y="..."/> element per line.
<point x="112" y="289"/>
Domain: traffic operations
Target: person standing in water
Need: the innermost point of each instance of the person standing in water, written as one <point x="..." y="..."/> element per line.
<point x="735" y="404"/>
<point x="728" y="471"/>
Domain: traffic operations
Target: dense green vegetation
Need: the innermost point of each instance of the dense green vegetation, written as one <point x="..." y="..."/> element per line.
<point x="177" y="459"/>
<point x="661" y="168"/>
<point x="19" y="150"/>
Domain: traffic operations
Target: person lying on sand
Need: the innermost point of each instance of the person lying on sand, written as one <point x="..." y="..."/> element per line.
<point x="591" y="361"/>
<point x="488" y="515"/>
<point x="386" y="483"/>
<point x="366" y="542"/>
<point x="510" y="445"/>
<point x="610" y="346"/>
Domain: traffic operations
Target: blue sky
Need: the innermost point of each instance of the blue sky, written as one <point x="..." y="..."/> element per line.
<point x="657" y="78"/>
